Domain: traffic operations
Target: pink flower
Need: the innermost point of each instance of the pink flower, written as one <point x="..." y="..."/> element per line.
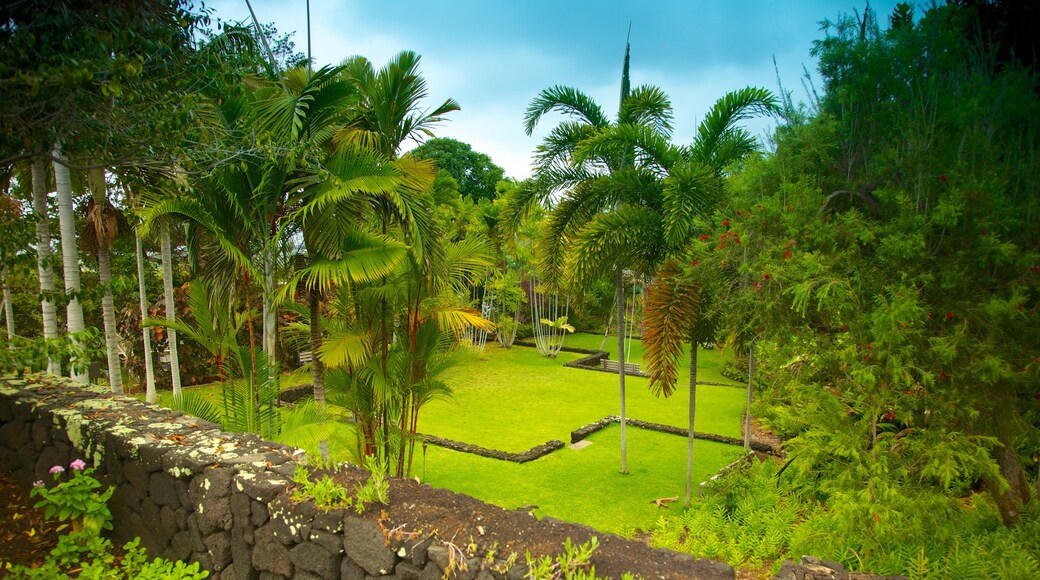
<point x="78" y="465"/>
<point x="56" y="469"/>
<point x="37" y="483"/>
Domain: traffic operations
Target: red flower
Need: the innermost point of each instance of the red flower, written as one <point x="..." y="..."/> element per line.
<point x="725" y="223"/>
<point x="766" y="276"/>
<point x="787" y="254"/>
<point x="943" y="178"/>
<point x="705" y="237"/>
<point x="949" y="315"/>
<point x="844" y="327"/>
<point x="944" y="376"/>
<point x="695" y="262"/>
<point x="739" y="213"/>
<point x="888" y="416"/>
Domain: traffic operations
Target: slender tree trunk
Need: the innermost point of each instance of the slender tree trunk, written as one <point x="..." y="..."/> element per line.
<point x="747" y="410"/>
<point x="268" y="306"/>
<point x="8" y="308"/>
<point x="693" y="414"/>
<point x="317" y="367"/>
<point x="70" y="259"/>
<point x="1018" y="493"/>
<point x="108" y="307"/>
<point x="43" y="260"/>
<point x="620" y="293"/>
<point x="146" y="334"/>
<point x="171" y="312"/>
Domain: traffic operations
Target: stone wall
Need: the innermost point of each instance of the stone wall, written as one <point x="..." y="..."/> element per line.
<point x="192" y="492"/>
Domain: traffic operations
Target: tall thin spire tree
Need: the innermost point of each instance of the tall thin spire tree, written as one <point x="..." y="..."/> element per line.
<point x="619" y="290"/>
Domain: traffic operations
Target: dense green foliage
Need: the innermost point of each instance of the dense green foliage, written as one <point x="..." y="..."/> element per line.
<point x="884" y="260"/>
<point x="475" y="173"/>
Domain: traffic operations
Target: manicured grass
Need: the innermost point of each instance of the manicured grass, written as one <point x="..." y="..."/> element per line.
<point x="709" y="362"/>
<point x="514" y="399"/>
<point x="584" y="486"/>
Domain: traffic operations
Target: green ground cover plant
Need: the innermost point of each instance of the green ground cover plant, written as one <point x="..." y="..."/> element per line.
<point x="755" y="519"/>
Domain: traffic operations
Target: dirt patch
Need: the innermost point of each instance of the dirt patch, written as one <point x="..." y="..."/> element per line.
<point x="476" y="528"/>
<point x="26" y="537"/>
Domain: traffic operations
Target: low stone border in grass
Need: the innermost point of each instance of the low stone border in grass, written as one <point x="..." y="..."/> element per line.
<point x="531" y="454"/>
<point x="746" y="458"/>
<point x="586" y="430"/>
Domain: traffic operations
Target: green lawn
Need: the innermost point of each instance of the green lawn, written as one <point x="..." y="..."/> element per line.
<point x="709" y="362"/>
<point x="514" y="399"/>
<point x="584" y="486"/>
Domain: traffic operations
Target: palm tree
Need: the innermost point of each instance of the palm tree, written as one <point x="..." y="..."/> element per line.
<point x="606" y="182"/>
<point x="43" y="254"/>
<point x="678" y="302"/>
<point x="101" y="228"/>
<point x="70" y="259"/>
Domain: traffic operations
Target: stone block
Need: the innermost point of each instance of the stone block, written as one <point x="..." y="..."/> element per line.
<point x="258" y="513"/>
<point x="14" y="435"/>
<point x="407" y="571"/>
<point x="180" y="546"/>
<point x="311" y="557"/>
<point x="263" y="487"/>
<point x="218" y="546"/>
<point x="210" y="483"/>
<point x="331" y="542"/>
<point x="417" y="551"/>
<point x="269" y="554"/>
<point x="163" y="491"/>
<point x="168" y="522"/>
<point x="241" y="557"/>
<point x="214" y="514"/>
<point x="137" y="476"/>
<point x="348" y="570"/>
<point x="365" y="544"/>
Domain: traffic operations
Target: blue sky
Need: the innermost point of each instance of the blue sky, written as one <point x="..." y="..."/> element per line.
<point x="494" y="56"/>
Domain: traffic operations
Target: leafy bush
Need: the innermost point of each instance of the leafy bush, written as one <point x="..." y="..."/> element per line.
<point x="83" y="550"/>
<point x="753" y="520"/>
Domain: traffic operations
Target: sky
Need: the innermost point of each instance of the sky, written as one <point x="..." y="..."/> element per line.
<point x="495" y="56"/>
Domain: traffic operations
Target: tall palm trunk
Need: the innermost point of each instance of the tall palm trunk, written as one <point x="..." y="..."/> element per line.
<point x="268" y="306"/>
<point x="69" y="258"/>
<point x="108" y="307"/>
<point x="317" y="367"/>
<point x="747" y="410"/>
<point x="8" y="309"/>
<point x="171" y="313"/>
<point x="43" y="259"/>
<point x="146" y="335"/>
<point x="620" y="295"/>
<point x="693" y="413"/>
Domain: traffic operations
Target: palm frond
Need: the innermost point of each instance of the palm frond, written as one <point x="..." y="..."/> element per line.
<point x="628" y="236"/>
<point x="672" y="307"/>
<point x="305" y="425"/>
<point x="691" y="189"/>
<point x="647" y="106"/>
<point x="719" y="124"/>
<point x="566" y="100"/>
<point x="349" y="349"/>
